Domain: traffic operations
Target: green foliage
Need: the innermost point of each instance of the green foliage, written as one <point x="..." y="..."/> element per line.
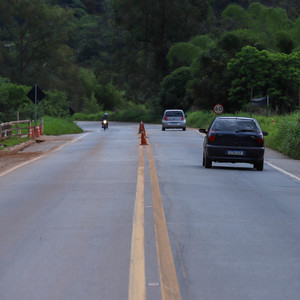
<point x="149" y="30"/>
<point x="132" y="113"/>
<point x="99" y="95"/>
<point x="33" y="39"/>
<point x="90" y="105"/>
<point x="173" y="89"/>
<point x="288" y="135"/>
<point x="88" y="117"/>
<point x="235" y="17"/>
<point x="283" y="131"/>
<point x="204" y="42"/>
<point x="13" y="141"/>
<point x="200" y="119"/>
<point x="13" y="99"/>
<point x="58" y="126"/>
<point x="273" y="74"/>
<point x="208" y="84"/>
<point x="101" y="54"/>
<point x="182" y="54"/>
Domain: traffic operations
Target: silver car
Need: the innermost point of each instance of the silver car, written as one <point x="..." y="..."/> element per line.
<point x="174" y="118"/>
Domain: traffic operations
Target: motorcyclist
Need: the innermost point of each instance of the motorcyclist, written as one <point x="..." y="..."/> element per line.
<point x="105" y="117"/>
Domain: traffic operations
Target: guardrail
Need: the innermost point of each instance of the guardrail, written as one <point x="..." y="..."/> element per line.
<point x="13" y="129"/>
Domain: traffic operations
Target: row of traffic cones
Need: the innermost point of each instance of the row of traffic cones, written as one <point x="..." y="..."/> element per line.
<point x="142" y="131"/>
<point x="36" y="131"/>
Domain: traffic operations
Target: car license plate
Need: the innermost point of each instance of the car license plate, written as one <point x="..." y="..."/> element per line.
<point x="235" y="152"/>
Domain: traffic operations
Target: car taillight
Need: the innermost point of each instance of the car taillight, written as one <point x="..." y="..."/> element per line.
<point x="211" y="136"/>
<point x="166" y="118"/>
<point x="182" y="118"/>
<point x="260" y="138"/>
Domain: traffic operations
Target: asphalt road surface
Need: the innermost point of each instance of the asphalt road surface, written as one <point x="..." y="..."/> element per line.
<point x="101" y="217"/>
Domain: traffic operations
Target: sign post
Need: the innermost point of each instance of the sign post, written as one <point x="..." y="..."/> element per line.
<point x="36" y="95"/>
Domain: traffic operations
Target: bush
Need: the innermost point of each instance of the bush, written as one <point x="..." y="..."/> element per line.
<point x="283" y="131"/>
<point x="58" y="126"/>
<point x="287" y="135"/>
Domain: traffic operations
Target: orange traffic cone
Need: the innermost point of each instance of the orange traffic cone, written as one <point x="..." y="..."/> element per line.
<point x="31" y="133"/>
<point x="142" y="127"/>
<point x="38" y="130"/>
<point x="143" y="139"/>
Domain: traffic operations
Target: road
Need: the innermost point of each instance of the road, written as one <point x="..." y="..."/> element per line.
<point x="101" y="217"/>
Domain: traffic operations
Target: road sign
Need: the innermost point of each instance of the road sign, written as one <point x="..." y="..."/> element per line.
<point x="36" y="94"/>
<point x="218" y="109"/>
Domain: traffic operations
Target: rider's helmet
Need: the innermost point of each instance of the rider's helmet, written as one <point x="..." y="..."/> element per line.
<point x="106" y="114"/>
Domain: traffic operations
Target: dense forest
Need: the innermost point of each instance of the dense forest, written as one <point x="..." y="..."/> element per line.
<point x="191" y="54"/>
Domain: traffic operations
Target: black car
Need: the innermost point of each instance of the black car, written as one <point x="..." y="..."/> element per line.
<point x="234" y="139"/>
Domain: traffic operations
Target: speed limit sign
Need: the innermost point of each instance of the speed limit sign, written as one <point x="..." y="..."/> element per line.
<point x="218" y="109"/>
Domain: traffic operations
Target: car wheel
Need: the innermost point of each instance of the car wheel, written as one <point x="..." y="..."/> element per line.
<point x="259" y="166"/>
<point x="203" y="160"/>
<point x="163" y="128"/>
<point x="184" y="129"/>
<point x="207" y="162"/>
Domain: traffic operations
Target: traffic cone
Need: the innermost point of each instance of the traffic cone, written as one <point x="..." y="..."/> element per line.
<point x="31" y="134"/>
<point x="142" y="127"/>
<point x="38" y="130"/>
<point x="143" y="138"/>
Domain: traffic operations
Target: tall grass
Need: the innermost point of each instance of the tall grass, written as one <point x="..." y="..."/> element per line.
<point x="283" y="131"/>
<point x="287" y="136"/>
<point x="58" y="126"/>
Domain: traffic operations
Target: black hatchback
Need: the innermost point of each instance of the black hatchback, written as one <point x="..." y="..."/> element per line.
<point x="234" y="139"/>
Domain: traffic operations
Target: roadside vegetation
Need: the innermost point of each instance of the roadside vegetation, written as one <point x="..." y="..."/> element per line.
<point x="58" y="126"/>
<point x="12" y="141"/>
<point x="91" y="57"/>
<point x="283" y="131"/>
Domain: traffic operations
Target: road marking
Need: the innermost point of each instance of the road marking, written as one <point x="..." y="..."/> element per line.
<point x="168" y="278"/>
<point x="41" y="156"/>
<point x="71" y="142"/>
<point x="137" y="277"/>
<point x="20" y="165"/>
<point x="282" y="171"/>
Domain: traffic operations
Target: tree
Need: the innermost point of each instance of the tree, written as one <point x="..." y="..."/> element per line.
<point x="209" y="83"/>
<point x="33" y="37"/>
<point x="173" y="89"/>
<point x="266" y="73"/>
<point x="182" y="54"/>
<point x="152" y="27"/>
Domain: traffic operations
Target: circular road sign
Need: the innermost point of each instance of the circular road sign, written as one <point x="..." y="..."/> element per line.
<point x="218" y="109"/>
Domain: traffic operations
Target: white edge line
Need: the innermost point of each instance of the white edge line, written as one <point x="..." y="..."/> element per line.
<point x="20" y="165"/>
<point x="282" y="171"/>
<point x="39" y="157"/>
<point x="73" y="141"/>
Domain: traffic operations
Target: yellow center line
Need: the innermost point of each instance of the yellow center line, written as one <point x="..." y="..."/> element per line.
<point x="137" y="280"/>
<point x="168" y="278"/>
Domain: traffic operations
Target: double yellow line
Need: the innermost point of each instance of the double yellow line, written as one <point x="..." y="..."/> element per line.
<point x="137" y="279"/>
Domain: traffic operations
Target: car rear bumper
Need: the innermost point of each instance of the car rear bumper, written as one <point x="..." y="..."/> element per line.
<point x="247" y="154"/>
<point x="174" y="124"/>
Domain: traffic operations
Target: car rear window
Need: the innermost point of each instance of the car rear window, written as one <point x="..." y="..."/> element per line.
<point x="234" y="125"/>
<point x="174" y="113"/>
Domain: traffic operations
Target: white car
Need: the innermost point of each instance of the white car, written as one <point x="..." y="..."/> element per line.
<point x="174" y="118"/>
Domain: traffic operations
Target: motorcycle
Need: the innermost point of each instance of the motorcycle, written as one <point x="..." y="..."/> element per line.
<point x="105" y="124"/>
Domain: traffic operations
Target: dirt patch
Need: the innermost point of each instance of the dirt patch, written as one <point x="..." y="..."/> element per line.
<point x="13" y="156"/>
